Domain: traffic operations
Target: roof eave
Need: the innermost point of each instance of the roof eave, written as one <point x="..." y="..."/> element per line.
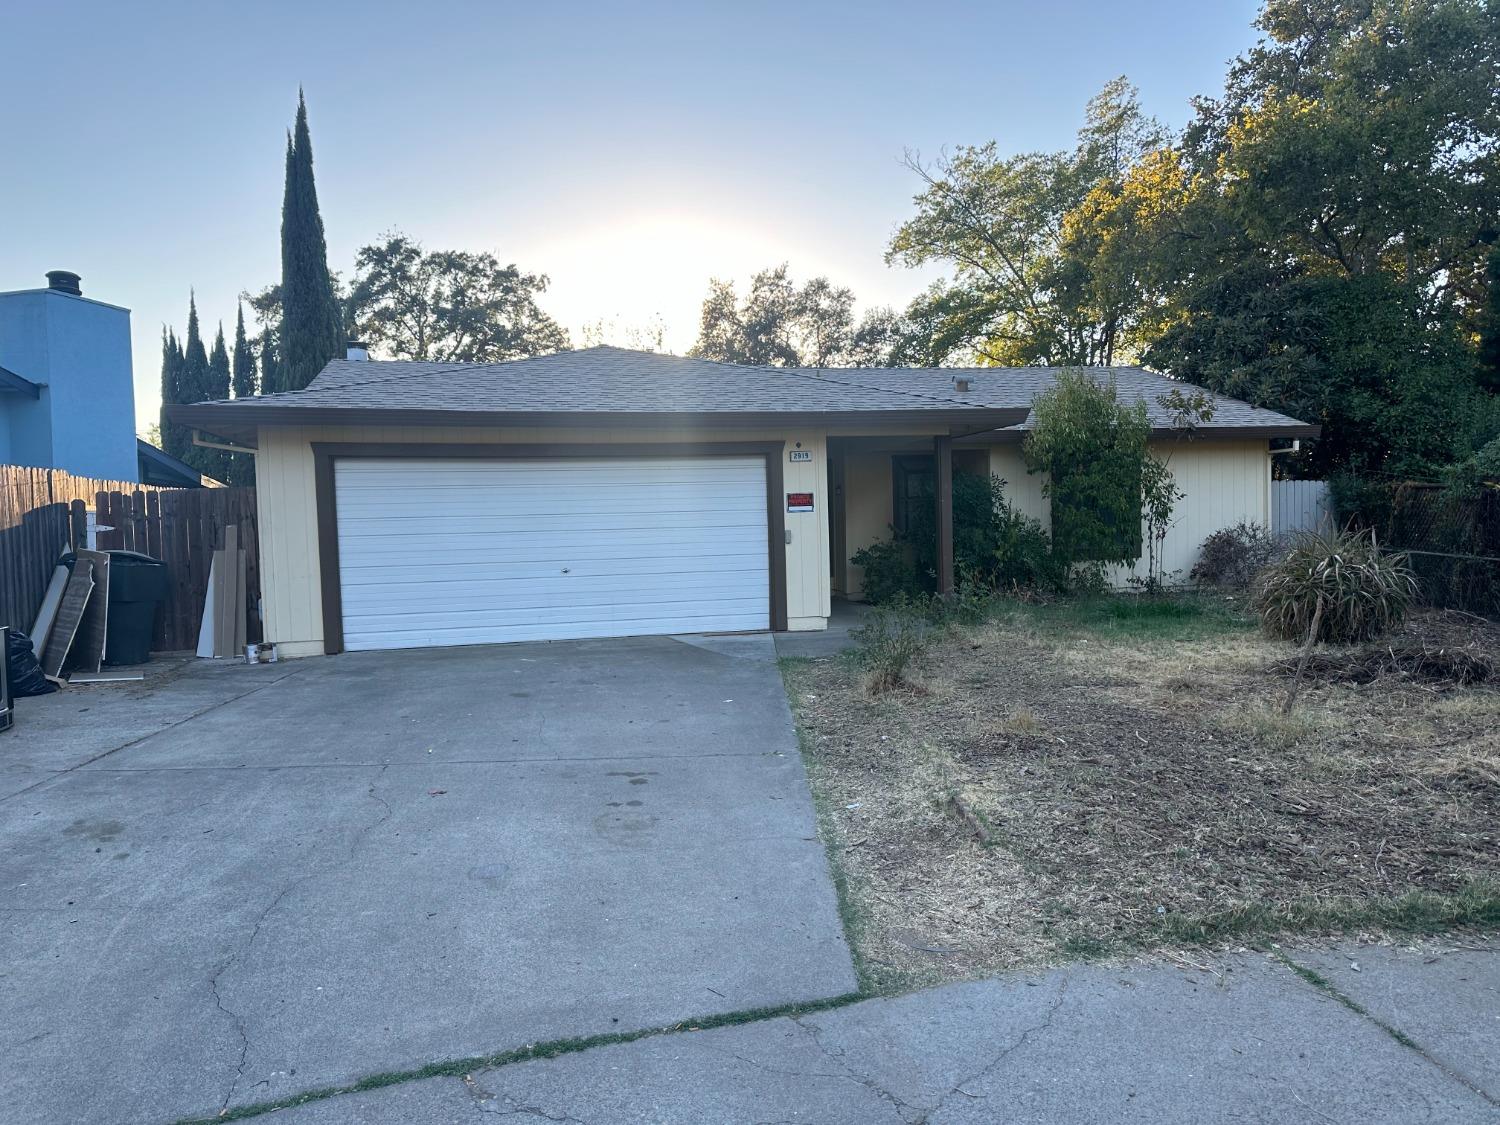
<point x="1018" y="433"/>
<point x="239" y="421"/>
<point x="11" y="383"/>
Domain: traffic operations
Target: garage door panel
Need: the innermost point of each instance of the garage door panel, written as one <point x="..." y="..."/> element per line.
<point x="506" y="634"/>
<point x="485" y="523"/>
<point x="608" y="610"/>
<point x="546" y="623"/>
<point x="435" y="552"/>
<point x="532" y="543"/>
<point x="546" y="474"/>
<point x="411" y="561"/>
<point x="569" y="589"/>
<point x="411" y="579"/>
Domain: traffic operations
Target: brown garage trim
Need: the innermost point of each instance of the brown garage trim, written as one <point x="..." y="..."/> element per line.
<point x="325" y="453"/>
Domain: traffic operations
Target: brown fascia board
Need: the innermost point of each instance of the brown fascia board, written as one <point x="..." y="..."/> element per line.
<point x="235" y="421"/>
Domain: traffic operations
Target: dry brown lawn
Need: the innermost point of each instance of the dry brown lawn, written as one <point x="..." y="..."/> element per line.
<point x="1048" y="788"/>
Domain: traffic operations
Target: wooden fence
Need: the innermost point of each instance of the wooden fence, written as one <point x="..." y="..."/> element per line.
<point x="44" y="512"/>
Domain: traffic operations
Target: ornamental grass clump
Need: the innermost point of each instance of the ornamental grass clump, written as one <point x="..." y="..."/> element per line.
<point x="1336" y="587"/>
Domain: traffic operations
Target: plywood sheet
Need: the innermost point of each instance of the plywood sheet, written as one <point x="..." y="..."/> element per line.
<point x="88" y="645"/>
<point x="47" y="614"/>
<point x="206" y="624"/>
<point x="75" y="600"/>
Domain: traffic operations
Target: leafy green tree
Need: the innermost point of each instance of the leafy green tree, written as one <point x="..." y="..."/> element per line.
<point x="1094" y="450"/>
<point x="1393" y="393"/>
<point x="1018" y="295"/>
<point x="650" y="336"/>
<point x="265" y="306"/>
<point x="175" y="439"/>
<point x="1315" y="242"/>
<point x="782" y="325"/>
<point x="311" y="330"/>
<point x="448" y="305"/>
<point x="1489" y="327"/>
<point x="1360" y="137"/>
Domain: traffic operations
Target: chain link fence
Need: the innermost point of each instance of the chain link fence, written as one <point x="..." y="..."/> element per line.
<point x="1453" y="540"/>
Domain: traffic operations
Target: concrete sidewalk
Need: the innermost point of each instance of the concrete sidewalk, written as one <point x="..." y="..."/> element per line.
<point x="1248" y="1039"/>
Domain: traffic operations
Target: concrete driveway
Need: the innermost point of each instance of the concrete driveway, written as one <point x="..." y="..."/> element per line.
<point x="236" y="883"/>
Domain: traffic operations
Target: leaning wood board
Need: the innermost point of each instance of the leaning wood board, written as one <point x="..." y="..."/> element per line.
<point x="88" y="645"/>
<point x="47" y="614"/>
<point x="69" y="614"/>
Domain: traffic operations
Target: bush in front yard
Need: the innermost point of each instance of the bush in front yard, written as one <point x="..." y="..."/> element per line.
<point x="890" y="638"/>
<point x="890" y="572"/>
<point x="1341" y="579"/>
<point x="995" y="547"/>
<point x="1232" y="556"/>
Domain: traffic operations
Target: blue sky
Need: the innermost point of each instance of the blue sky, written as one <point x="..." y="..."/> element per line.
<point x="629" y="151"/>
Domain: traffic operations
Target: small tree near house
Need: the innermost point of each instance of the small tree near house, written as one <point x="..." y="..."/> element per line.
<point x="1112" y="500"/>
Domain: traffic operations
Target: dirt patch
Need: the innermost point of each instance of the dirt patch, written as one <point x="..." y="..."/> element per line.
<point x="1125" y="786"/>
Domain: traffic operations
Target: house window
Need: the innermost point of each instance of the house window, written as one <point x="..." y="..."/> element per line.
<point x="914" y="480"/>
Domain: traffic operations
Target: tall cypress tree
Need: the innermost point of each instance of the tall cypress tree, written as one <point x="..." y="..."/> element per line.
<point x="218" y="368"/>
<point x="192" y="382"/>
<point x="174" y="438"/>
<point x="242" y="380"/>
<point x="311" y="327"/>
<point x="215" y="462"/>
<point x="240" y="467"/>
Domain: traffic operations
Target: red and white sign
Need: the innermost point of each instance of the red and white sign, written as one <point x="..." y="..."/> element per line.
<point x="799" y="501"/>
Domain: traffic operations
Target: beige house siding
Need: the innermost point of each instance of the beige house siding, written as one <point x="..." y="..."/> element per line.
<point x="1022" y="489"/>
<point x="1224" y="483"/>
<point x="867" y="508"/>
<point x="290" y="587"/>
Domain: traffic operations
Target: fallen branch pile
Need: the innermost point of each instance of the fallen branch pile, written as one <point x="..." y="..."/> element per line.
<point x="1447" y="648"/>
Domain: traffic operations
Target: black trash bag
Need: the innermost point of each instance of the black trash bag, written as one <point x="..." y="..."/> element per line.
<point x="21" y="665"/>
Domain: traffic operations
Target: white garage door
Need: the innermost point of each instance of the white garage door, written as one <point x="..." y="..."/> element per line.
<point x="460" y="552"/>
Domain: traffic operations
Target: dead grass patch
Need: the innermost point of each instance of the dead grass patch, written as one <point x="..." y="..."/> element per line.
<point x="1130" y="787"/>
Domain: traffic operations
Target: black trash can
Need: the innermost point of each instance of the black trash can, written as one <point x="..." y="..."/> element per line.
<point x="137" y="586"/>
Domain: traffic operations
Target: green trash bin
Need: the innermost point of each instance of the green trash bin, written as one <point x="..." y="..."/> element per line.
<point x="137" y="587"/>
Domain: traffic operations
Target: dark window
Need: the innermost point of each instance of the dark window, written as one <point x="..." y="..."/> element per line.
<point x="914" y="480"/>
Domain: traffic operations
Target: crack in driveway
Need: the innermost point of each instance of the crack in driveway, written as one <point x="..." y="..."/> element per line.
<point x="260" y="921"/>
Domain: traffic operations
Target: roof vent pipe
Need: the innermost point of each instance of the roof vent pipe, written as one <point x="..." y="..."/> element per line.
<point x="358" y="351"/>
<point x="960" y="383"/>
<point x="64" y="281"/>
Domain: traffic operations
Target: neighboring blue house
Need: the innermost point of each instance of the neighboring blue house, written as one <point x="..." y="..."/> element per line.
<point x="66" y="395"/>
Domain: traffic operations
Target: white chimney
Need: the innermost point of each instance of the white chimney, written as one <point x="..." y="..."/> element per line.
<point x="358" y="352"/>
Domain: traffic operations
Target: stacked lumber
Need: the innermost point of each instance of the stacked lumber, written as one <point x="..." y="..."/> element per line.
<point x="222" y="631"/>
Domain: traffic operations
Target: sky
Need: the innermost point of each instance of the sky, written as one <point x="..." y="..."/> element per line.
<point x="628" y="151"/>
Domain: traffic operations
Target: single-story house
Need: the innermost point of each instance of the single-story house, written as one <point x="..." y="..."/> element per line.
<point x="158" y="467"/>
<point x="608" y="492"/>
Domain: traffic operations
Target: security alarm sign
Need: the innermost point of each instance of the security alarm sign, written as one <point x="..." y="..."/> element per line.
<point x="799" y="501"/>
